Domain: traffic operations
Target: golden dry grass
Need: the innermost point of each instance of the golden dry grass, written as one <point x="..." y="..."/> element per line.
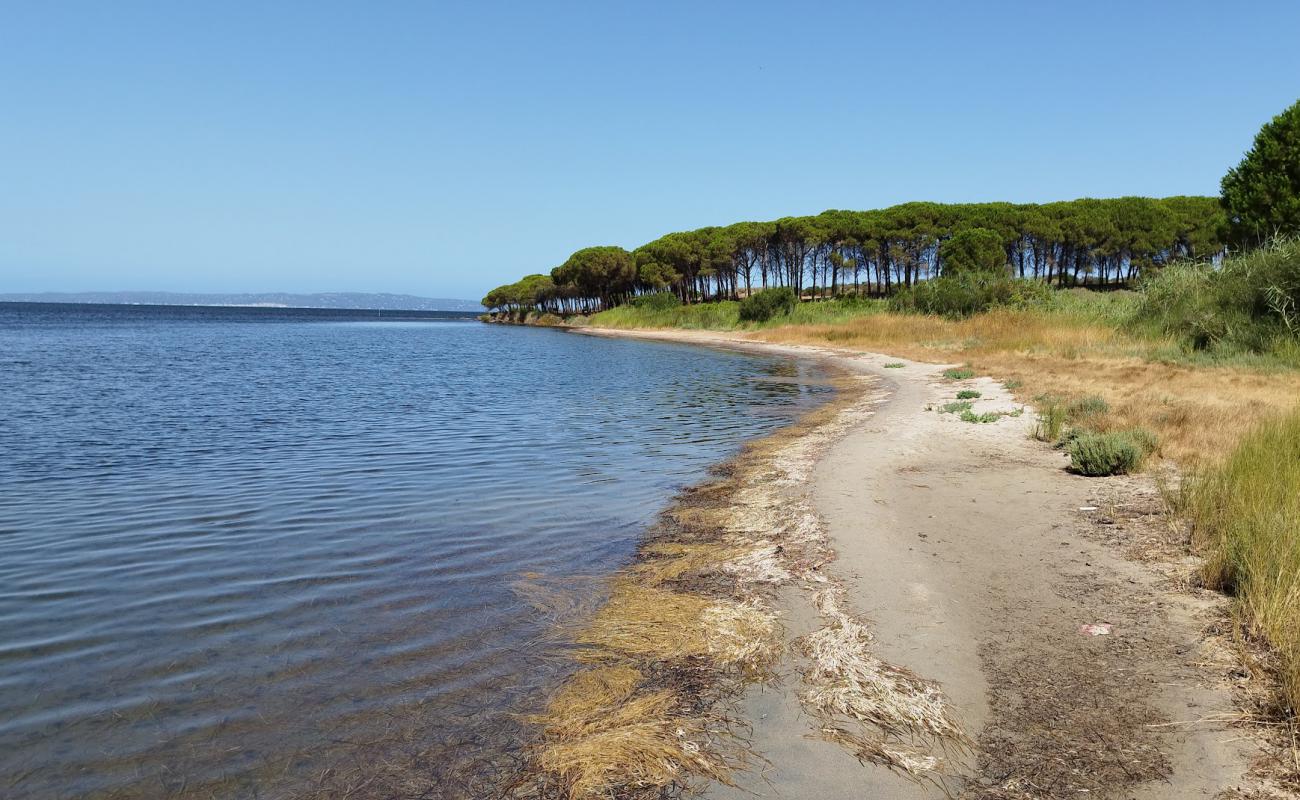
<point x="601" y="737"/>
<point x="1199" y="412"/>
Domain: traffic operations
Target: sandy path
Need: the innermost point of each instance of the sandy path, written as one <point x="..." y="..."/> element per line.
<point x="966" y="548"/>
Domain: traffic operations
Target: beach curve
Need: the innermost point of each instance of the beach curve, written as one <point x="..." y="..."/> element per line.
<point x="971" y="557"/>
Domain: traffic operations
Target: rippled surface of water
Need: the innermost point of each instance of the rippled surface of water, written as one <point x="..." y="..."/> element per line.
<point x="239" y="548"/>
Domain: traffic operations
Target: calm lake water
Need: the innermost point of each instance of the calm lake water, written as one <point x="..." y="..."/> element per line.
<point x="266" y="553"/>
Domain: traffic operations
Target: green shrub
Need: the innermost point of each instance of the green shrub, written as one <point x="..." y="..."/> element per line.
<point x="953" y="408"/>
<point x="967" y="293"/>
<point x="895" y="365"/>
<point x="1251" y="303"/>
<point x="763" y="305"/>
<point x="968" y="394"/>
<point x="958" y="373"/>
<point x="1116" y="453"/>
<point x="656" y="301"/>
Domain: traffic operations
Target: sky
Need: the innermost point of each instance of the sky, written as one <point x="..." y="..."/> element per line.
<point x="441" y="149"/>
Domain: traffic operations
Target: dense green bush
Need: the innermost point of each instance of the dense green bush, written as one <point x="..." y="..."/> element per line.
<point x="657" y="301"/>
<point x="1249" y="303"/>
<point x="1116" y="453"/>
<point x="767" y="303"/>
<point x="968" y="293"/>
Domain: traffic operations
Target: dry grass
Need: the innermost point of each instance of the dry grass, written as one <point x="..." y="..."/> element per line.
<point x="601" y="737"/>
<point x="1246" y="516"/>
<point x="645" y="622"/>
<point x="1199" y="412"/>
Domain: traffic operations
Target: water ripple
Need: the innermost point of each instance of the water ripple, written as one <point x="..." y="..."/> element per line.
<point x="237" y="547"/>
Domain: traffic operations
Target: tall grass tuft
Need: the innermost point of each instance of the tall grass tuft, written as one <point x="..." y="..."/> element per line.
<point x="1051" y="421"/>
<point x="1246" y="521"/>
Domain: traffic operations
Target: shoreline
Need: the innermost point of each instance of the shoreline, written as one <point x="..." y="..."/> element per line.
<point x="950" y="594"/>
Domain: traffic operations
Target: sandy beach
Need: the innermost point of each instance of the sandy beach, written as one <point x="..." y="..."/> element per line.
<point x="1032" y="607"/>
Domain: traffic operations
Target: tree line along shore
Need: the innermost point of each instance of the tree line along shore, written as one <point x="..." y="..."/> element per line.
<point x="1188" y="364"/>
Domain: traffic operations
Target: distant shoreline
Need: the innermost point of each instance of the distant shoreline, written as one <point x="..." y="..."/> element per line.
<point x="410" y="313"/>
<point x="366" y="301"/>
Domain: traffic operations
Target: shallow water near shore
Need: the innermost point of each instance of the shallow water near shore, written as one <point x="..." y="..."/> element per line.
<point x="260" y="552"/>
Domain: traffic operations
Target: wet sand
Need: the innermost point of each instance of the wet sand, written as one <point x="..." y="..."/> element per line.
<point x="967" y="550"/>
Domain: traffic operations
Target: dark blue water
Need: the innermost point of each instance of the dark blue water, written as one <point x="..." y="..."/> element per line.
<point x="243" y="553"/>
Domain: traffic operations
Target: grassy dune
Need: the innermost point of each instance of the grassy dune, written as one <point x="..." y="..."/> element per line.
<point x="1194" y="368"/>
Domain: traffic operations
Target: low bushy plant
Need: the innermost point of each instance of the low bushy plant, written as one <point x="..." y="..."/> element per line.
<point x="763" y="305"/>
<point x="1114" y="453"/>
<point x="958" y="373"/>
<point x="953" y="408"/>
<point x="895" y="365"/>
<point x="968" y="394"/>
<point x="987" y="416"/>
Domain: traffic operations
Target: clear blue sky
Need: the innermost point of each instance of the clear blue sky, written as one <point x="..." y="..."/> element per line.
<point x="444" y="148"/>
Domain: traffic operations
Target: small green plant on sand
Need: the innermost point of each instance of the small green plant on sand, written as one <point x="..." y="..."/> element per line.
<point x="987" y="416"/>
<point x="1115" y="453"/>
<point x="1013" y="385"/>
<point x="961" y="406"/>
<point x="959" y="373"/>
<point x="894" y="365"/>
<point x="968" y="394"/>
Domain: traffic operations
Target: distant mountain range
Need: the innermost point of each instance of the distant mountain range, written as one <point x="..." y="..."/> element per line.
<point x="355" y="300"/>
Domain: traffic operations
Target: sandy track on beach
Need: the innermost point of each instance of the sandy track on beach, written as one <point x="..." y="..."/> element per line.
<point x="965" y="549"/>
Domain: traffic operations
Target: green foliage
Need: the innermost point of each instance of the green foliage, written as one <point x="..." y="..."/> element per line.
<point x="895" y="365"/>
<point x="953" y="408"/>
<point x="968" y="394"/>
<point x="656" y="301"/>
<point x="1245" y="517"/>
<point x="958" y="373"/>
<point x="1087" y="409"/>
<point x="845" y="254"/>
<point x="974" y="250"/>
<point x="605" y="272"/>
<point x="1115" y="453"/>
<point x="766" y="304"/>
<point x="702" y="316"/>
<point x="1251" y="303"/>
<point x="1262" y="194"/>
<point x="986" y="417"/>
<point x="1051" y="421"/>
<point x="968" y="293"/>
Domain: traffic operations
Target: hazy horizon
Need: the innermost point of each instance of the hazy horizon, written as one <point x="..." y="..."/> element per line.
<point x="439" y="151"/>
